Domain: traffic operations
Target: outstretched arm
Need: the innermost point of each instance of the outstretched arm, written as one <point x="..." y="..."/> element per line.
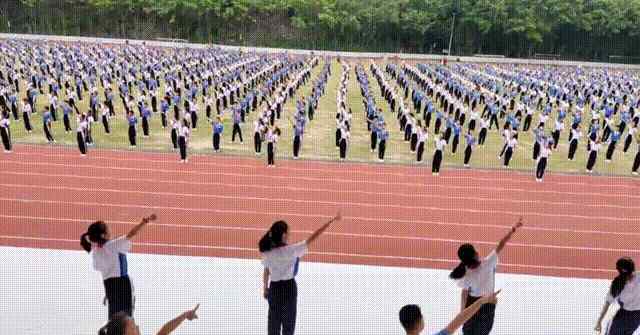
<point x="604" y="311"/>
<point x="322" y="229"/>
<point x="469" y="312"/>
<point x="141" y="225"/>
<point x="175" y="323"/>
<point x="507" y="237"/>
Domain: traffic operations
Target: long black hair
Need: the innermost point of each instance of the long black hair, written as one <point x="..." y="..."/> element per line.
<point x="95" y="233"/>
<point x="274" y="238"/>
<point x="467" y="255"/>
<point x="626" y="268"/>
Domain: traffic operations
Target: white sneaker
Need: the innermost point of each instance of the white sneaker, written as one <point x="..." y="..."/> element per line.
<point x="607" y="161"/>
<point x="83" y="155"/>
<point x="466" y="165"/>
<point x="381" y="160"/>
<point x="635" y="173"/>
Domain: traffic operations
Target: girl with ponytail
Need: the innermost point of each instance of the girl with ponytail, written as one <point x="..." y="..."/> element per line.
<point x="625" y="290"/>
<point x="281" y="261"/>
<point x="109" y="257"/>
<point x="476" y="277"/>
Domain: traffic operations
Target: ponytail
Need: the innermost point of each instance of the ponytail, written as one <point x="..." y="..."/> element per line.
<point x="95" y="234"/>
<point x="274" y="238"/>
<point x="468" y="259"/>
<point x="86" y="245"/>
<point x="626" y="268"/>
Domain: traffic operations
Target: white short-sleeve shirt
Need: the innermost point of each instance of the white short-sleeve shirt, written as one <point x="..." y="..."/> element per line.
<point x="111" y="258"/>
<point x="481" y="280"/>
<point x="283" y="262"/>
<point x="629" y="298"/>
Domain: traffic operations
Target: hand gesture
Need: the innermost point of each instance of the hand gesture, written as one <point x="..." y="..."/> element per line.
<point x="190" y="315"/>
<point x="150" y="218"/>
<point x="518" y="224"/>
<point x="265" y="293"/>
<point x="598" y="328"/>
<point x="338" y="216"/>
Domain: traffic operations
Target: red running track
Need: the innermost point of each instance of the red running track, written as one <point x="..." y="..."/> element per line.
<point x="576" y="226"/>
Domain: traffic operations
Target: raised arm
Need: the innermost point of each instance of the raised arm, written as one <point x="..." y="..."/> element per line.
<point x="139" y="226"/>
<point x="175" y="323"/>
<point x="469" y="312"/>
<point x="321" y="230"/>
<point x="507" y="237"/>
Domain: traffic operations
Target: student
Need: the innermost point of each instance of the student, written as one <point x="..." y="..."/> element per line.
<point x="383" y="136"/>
<point x="511" y="147"/>
<point x="636" y="161"/>
<point x="412" y="320"/>
<point x="175" y="126"/>
<point x="81" y="134"/>
<point x="559" y="127"/>
<point x="345" y="136"/>
<point x="272" y="141"/>
<point x="482" y="136"/>
<point x="5" y="132"/>
<point x="613" y="141"/>
<point x="105" y="118"/>
<point x="437" y="155"/>
<point x="46" y="125"/>
<point x="88" y="137"/>
<point x="66" y="117"/>
<point x="457" y="129"/>
<point x="476" y="277"/>
<point x="576" y="135"/>
<point x="183" y="140"/>
<point x="422" y="139"/>
<point x="237" y="118"/>
<point x="218" y="128"/>
<point x="633" y="130"/>
<point x="625" y="290"/>
<point x="471" y="143"/>
<point x="26" y="115"/>
<point x="258" y="134"/>
<point x="281" y="262"/>
<point x="146" y="115"/>
<point x="109" y="257"/>
<point x="594" y="147"/>
<point x="133" y="121"/>
<point x="542" y="162"/>
<point x="123" y="324"/>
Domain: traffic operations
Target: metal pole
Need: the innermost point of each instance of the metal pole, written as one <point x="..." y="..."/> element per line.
<point x="453" y="22"/>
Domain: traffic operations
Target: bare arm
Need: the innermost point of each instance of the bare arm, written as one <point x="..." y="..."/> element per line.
<point x="175" y="323"/>
<point x="604" y="311"/>
<point x="507" y="237"/>
<point x="141" y="225"/>
<point x="265" y="281"/>
<point x="463" y="299"/>
<point x="469" y="312"/>
<point x="322" y="229"/>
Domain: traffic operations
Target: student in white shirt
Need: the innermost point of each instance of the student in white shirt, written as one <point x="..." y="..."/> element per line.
<point x="625" y="290"/>
<point x="281" y="261"/>
<point x="183" y="139"/>
<point x="477" y="279"/>
<point x="542" y="161"/>
<point x="594" y="147"/>
<point x="437" y="155"/>
<point x="81" y="134"/>
<point x="511" y="147"/>
<point x="123" y="324"/>
<point x="5" y="132"/>
<point x="109" y="256"/>
<point x="413" y="323"/>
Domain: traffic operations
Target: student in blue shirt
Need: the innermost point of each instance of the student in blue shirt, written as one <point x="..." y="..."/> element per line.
<point x="615" y="136"/>
<point x="457" y="129"/>
<point x="132" y="121"/>
<point x="46" y="125"/>
<point x="217" y="133"/>
<point x="412" y="320"/>
<point x="383" y="136"/>
<point x="471" y="143"/>
<point x="636" y="161"/>
<point x="146" y="115"/>
<point x="237" y="119"/>
<point x="164" y="109"/>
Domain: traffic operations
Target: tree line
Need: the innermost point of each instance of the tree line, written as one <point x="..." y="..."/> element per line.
<point x="600" y="30"/>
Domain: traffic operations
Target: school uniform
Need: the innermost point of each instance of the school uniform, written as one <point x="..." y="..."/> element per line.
<point x="105" y="120"/>
<point x="218" y="128"/>
<point x="175" y="125"/>
<point x="636" y="162"/>
<point x="5" y="133"/>
<point x="542" y="163"/>
<point x="627" y="319"/>
<point x="46" y="126"/>
<point x="80" y="136"/>
<point x="237" y="118"/>
<point x="297" y="140"/>
<point x="183" y="139"/>
<point x="573" y="145"/>
<point x="437" y="155"/>
<point x="480" y="282"/>
<point x="383" y="136"/>
<point x="26" y="116"/>
<point x="456" y="138"/>
<point x="133" y="121"/>
<point x="630" y="135"/>
<point x="272" y="140"/>
<point x="482" y="135"/>
<point x="344" y="140"/>
<point x="471" y="141"/>
<point x="283" y="264"/>
<point x="111" y="261"/>
<point x="414" y="138"/>
<point x="422" y="139"/>
<point x="511" y="146"/>
<point x="612" y="145"/>
<point x="559" y="126"/>
<point x="257" y="137"/>
<point x="593" y="155"/>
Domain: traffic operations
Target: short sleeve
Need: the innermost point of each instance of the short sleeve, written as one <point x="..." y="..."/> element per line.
<point x="299" y="249"/>
<point x="463" y="284"/>
<point x="442" y="332"/>
<point x="120" y="244"/>
<point x="610" y="298"/>
<point x="492" y="259"/>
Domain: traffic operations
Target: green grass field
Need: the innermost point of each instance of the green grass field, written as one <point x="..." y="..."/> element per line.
<point x="319" y="139"/>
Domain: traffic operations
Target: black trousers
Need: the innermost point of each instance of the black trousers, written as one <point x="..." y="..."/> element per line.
<point x="536" y="150"/>
<point x="420" y="150"/>
<point x="482" y="136"/>
<point x="527" y="123"/>
<point x="556" y="138"/>
<point x="627" y="143"/>
<point x="507" y="156"/>
<point x="182" y="143"/>
<point x="194" y="120"/>
<point x="437" y="160"/>
<point x="174" y="138"/>
<point x="216" y="141"/>
<point x="67" y="122"/>
<point x="163" y="119"/>
<point x="593" y="155"/>
<point x="542" y="166"/>
<point x="145" y="126"/>
<point x="119" y="294"/>
<point x="454" y="144"/>
<point x="27" y="121"/>
<point x="381" y="148"/>
<point x="296" y="146"/>
<point x="236" y="130"/>
<point x="105" y="123"/>
<point x="573" y="146"/>
<point x="447" y="135"/>
<point x="283" y="303"/>
<point x="343" y="148"/>
<point x="47" y="132"/>
<point x="437" y="125"/>
<point x="414" y="142"/>
<point x="494" y="119"/>
<point x="6" y="138"/>
<point x="338" y="136"/>
<point x="82" y="146"/>
<point x="427" y="119"/>
<point x="625" y="322"/>
<point x="374" y="140"/>
<point x="132" y="136"/>
<point x="270" y="154"/>
<point x="611" y="149"/>
<point x="472" y="125"/>
<point x="482" y="322"/>
<point x="636" y="163"/>
<point x="257" y="142"/>
<point x="467" y="154"/>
